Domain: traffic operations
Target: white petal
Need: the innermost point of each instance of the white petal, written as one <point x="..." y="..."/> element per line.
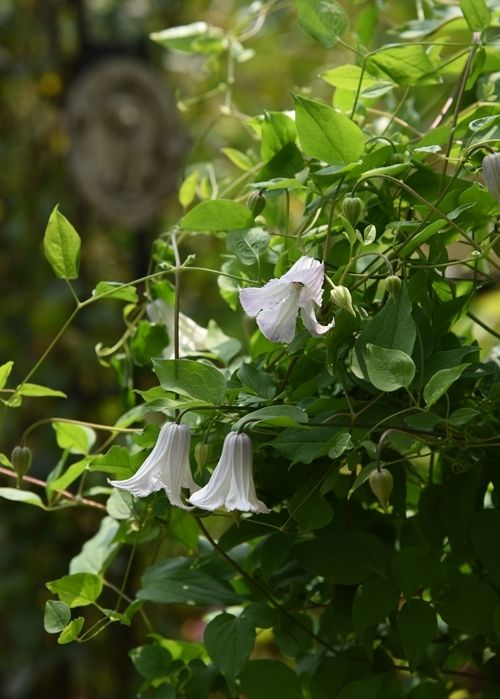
<point x="278" y="323"/>
<point x="192" y="337"/>
<point x="254" y="299"/>
<point x="308" y="315"/>
<point x="175" y="470"/>
<point x="310" y="273"/>
<point x="241" y="495"/>
<point x="147" y="479"/>
<point x="213" y="495"/>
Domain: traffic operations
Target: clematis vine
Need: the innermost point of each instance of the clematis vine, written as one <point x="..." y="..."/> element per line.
<point x="192" y="337"/>
<point x="231" y="485"/>
<point x="166" y="467"/>
<point x="277" y="304"/>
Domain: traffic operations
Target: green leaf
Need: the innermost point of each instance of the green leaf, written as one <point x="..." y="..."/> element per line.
<point x="440" y="383"/>
<point x="425" y="234"/>
<point x="174" y="581"/>
<point x="97" y="551"/>
<point x="248" y="245"/>
<point x="115" y="290"/>
<point x="277" y="132"/>
<point x="5" y="370"/>
<point x="120" y="505"/>
<point x="309" y="508"/>
<point x="191" y="378"/>
<point x="276" y="415"/>
<point x="34" y="390"/>
<point x="325" y="20"/>
<point x="69" y="476"/>
<point x="339" y="444"/>
<point x="326" y="134"/>
<point x="217" y="215"/>
<point x="346" y="558"/>
<point x="77" y="439"/>
<point x="71" y="631"/>
<point x="476" y="13"/>
<point x="61" y="245"/>
<point x="303" y="445"/>
<point x="417" y="626"/>
<point x="347" y="77"/>
<point x="238" y="158"/>
<point x="26" y="496"/>
<point x="373" y="602"/>
<point x="116" y="462"/>
<point x="229" y="641"/>
<point x="485" y="536"/>
<point x="151" y="661"/>
<point x="270" y="679"/>
<point x="148" y="341"/>
<point x="388" y="369"/>
<point x="362" y="689"/>
<point x="257" y="381"/>
<point x="56" y="617"/>
<point x="77" y="590"/>
<point x="187" y="190"/>
<point x="467" y="604"/>
<point x="406" y="64"/>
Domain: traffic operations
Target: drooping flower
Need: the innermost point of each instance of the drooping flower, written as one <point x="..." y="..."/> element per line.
<point x="277" y="304"/>
<point x="231" y="485"/>
<point x="192" y="337"/>
<point x="166" y="467"/>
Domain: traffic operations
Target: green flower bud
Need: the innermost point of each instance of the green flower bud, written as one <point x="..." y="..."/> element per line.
<point x="256" y="202"/>
<point x="491" y="174"/>
<point x="352" y="208"/>
<point x="341" y="297"/>
<point x="392" y="285"/>
<point x="21" y="461"/>
<point x="381" y="483"/>
<point x="201" y="454"/>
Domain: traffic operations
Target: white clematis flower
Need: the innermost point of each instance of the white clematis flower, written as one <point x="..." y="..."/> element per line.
<point x="192" y="337"/>
<point x="277" y="304"/>
<point x="231" y="485"/>
<point x="166" y="467"/>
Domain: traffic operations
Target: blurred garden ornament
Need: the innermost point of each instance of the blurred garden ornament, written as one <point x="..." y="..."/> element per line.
<point x="192" y="337"/>
<point x="231" y="485"/>
<point x="277" y="304"/>
<point x="166" y="467"/>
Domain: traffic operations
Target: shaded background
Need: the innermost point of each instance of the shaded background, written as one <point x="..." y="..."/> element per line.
<point x="45" y="46"/>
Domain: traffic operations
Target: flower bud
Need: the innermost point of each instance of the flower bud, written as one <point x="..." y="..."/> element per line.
<point x="491" y="174"/>
<point x="352" y="208"/>
<point x="381" y="483"/>
<point x="392" y="285"/>
<point x="341" y="297"/>
<point x="21" y="461"/>
<point x="256" y="202"/>
<point x="201" y="454"/>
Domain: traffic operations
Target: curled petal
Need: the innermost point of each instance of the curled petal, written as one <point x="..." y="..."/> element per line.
<point x="255" y="299"/>
<point x="310" y="273"/>
<point x="308" y="315"/>
<point x="278" y="323"/>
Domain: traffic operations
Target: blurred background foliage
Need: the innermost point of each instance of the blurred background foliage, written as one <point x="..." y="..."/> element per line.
<point x="44" y="46"/>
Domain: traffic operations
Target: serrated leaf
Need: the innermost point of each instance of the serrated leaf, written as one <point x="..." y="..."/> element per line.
<point x="217" y="215"/>
<point x="325" y="20"/>
<point x="327" y="134"/>
<point x="229" y="641"/>
<point x="441" y="382"/>
<point x="61" y="244"/>
<point x="56" y="617"/>
<point x="77" y="590"/>
<point x="115" y="290"/>
<point x="190" y="378"/>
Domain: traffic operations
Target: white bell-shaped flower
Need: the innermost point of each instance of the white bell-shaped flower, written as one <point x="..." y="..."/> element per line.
<point x="277" y="304"/>
<point x="166" y="467"/>
<point x="192" y="337"/>
<point x="231" y="485"/>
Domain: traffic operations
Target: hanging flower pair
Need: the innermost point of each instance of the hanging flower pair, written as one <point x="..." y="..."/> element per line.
<point x="231" y="485"/>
